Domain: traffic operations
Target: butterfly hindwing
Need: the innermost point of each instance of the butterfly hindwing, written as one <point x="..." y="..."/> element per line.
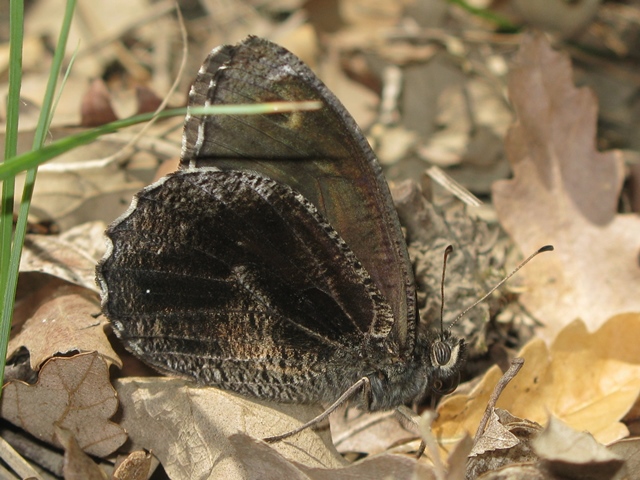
<point x="237" y="281"/>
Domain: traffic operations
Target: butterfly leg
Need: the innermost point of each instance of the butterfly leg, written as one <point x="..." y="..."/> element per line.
<point x="409" y="416"/>
<point x="362" y="383"/>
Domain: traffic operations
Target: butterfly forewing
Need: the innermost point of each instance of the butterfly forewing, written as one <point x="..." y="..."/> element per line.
<point x="321" y="154"/>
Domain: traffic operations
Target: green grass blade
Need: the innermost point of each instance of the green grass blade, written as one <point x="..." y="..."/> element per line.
<point x="33" y="159"/>
<point x="10" y="271"/>
<point x="16" y="32"/>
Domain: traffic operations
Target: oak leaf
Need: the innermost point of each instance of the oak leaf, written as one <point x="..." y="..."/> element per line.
<point x="72" y="393"/>
<point x="587" y="380"/>
<point x="564" y="192"/>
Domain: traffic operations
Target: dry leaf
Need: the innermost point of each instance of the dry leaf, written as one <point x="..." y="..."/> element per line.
<point x="70" y="256"/>
<point x="96" y="106"/>
<point x="570" y="454"/>
<point x="259" y="460"/>
<point x="587" y="380"/>
<point x="376" y="432"/>
<point x="77" y="464"/>
<point x="74" y="188"/>
<point x="147" y="100"/>
<point x="563" y="19"/>
<point x="64" y="321"/>
<point x="629" y="449"/>
<point x="564" y="192"/>
<point x="73" y="393"/>
<point x="137" y="466"/>
<point x="188" y="427"/>
<point x="506" y="440"/>
<point x="495" y="436"/>
<point x="88" y="238"/>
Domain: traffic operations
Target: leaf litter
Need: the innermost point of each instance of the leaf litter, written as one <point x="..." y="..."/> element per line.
<point x="563" y="192"/>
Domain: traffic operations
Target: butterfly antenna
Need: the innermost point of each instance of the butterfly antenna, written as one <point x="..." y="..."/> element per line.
<point x="546" y="248"/>
<point x="447" y="252"/>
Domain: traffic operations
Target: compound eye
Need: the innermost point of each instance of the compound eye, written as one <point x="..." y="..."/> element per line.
<point x="444" y="386"/>
<point x="441" y="353"/>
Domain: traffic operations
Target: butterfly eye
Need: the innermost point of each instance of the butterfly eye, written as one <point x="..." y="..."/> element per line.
<point x="447" y="385"/>
<point x="441" y="353"/>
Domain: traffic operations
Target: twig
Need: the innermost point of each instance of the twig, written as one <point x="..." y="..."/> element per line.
<point x="516" y="365"/>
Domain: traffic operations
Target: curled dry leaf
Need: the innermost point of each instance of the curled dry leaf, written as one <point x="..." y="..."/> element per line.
<point x="587" y="380"/>
<point x="505" y="441"/>
<point x="188" y="427"/>
<point x="64" y="321"/>
<point x="72" y="393"/>
<point x="564" y="192"/>
<point x="496" y="436"/>
<point x="137" y="466"/>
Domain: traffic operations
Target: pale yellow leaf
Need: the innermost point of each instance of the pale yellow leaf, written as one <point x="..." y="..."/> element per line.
<point x="587" y="380"/>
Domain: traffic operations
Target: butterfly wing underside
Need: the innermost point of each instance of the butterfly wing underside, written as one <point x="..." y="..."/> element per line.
<point x="219" y="287"/>
<point x="321" y="154"/>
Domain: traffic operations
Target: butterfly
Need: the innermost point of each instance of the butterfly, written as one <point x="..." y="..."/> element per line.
<point x="272" y="264"/>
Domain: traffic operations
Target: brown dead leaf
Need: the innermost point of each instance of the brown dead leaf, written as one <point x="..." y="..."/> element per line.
<point x="147" y="100"/>
<point x="65" y="321"/>
<point x="587" y="380"/>
<point x="77" y="464"/>
<point x="88" y="238"/>
<point x="188" y="427"/>
<point x="78" y="187"/>
<point x="96" y="106"/>
<point x="563" y="19"/>
<point x="73" y="393"/>
<point x="564" y="192"/>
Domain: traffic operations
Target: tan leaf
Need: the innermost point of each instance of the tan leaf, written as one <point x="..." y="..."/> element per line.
<point x="188" y="427"/>
<point x="71" y="256"/>
<point x="137" y="466"/>
<point x="73" y="393"/>
<point x="258" y="458"/>
<point x="64" y="321"/>
<point x="77" y="464"/>
<point x="587" y="380"/>
<point x="376" y="432"/>
<point x="78" y="186"/>
<point x="564" y="192"/>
